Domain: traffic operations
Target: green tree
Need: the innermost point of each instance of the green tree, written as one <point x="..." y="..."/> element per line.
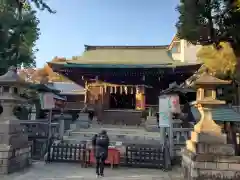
<point x="19" y="32"/>
<point x="18" y="36"/>
<point x="210" y="22"/>
<point x="25" y="4"/>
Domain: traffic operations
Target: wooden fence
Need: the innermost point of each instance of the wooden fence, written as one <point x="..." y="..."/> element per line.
<point x="70" y="153"/>
<point x="145" y="156"/>
<point x="140" y="155"/>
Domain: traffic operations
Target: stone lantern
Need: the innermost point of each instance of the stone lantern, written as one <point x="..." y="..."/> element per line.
<point x="207" y="154"/>
<point x="14" y="145"/>
<point x="206" y="100"/>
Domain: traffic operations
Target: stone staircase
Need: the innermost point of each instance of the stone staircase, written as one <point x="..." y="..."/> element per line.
<point x="124" y="134"/>
<point x="121" y="135"/>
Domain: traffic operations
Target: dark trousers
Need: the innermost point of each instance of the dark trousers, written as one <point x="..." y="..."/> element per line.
<point x="100" y="165"/>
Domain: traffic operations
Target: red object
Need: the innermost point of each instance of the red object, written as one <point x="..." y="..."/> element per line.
<point x="113" y="157"/>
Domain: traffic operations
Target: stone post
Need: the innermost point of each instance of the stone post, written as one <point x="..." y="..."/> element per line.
<point x="61" y="126"/>
<point x="14" y="147"/>
<point x="33" y="114"/>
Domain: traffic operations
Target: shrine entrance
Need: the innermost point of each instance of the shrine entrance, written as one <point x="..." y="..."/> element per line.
<point x="122" y="101"/>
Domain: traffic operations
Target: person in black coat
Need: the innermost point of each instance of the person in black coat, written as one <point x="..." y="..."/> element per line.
<point x="100" y="144"/>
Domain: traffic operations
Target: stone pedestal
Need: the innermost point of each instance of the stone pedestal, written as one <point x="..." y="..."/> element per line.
<point x="208" y="156"/>
<point x="14" y="147"/>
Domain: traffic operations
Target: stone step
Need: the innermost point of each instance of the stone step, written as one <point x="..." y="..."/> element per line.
<point x="117" y="134"/>
<point x="152" y="128"/>
<point x="113" y="142"/>
<point x="139" y="131"/>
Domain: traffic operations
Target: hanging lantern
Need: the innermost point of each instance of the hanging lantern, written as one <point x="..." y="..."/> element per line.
<point x="121" y="89"/>
<point x="126" y="89"/>
<point x="159" y="78"/>
<point x="115" y="89"/>
<point x="137" y="90"/>
<point x="131" y="91"/>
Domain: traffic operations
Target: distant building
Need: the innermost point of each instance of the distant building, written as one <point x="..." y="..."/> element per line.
<point x="183" y="51"/>
<point x="74" y="94"/>
<point x="123" y="81"/>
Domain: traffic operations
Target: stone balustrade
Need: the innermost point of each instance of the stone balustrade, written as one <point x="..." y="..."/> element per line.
<point x="180" y="135"/>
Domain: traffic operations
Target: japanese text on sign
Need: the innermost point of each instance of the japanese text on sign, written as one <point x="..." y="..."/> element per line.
<point x="167" y="105"/>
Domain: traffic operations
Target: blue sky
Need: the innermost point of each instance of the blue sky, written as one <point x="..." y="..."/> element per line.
<point x="103" y="22"/>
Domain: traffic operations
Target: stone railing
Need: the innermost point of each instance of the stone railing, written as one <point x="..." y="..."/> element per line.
<point x="180" y="135"/>
<point x="235" y="108"/>
<point x="153" y="109"/>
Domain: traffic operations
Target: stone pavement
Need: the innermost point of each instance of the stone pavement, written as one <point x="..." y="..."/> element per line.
<point x="67" y="171"/>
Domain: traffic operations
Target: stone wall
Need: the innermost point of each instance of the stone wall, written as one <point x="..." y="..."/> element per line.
<point x="210" y="166"/>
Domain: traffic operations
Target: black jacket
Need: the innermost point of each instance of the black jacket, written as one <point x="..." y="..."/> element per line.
<point x="100" y="144"/>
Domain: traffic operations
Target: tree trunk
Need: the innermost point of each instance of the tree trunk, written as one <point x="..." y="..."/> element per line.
<point x="20" y="8"/>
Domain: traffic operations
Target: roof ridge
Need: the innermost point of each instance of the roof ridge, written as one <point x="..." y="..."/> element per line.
<point x="94" y="47"/>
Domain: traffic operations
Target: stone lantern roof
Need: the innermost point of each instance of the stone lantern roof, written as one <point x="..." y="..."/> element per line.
<point x="10" y="84"/>
<point x="206" y="89"/>
<point x="12" y="78"/>
<point x="207" y="79"/>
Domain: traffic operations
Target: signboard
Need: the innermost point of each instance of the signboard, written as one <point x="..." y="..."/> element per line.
<point x="47" y="101"/>
<point x="165" y="119"/>
<point x="168" y="104"/>
<point x="164" y="112"/>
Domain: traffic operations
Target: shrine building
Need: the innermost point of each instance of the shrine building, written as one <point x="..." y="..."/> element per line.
<point x="128" y="78"/>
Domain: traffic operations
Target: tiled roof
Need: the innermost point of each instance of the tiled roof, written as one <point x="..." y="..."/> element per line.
<point x="69" y="88"/>
<point x="221" y="113"/>
<point x="125" y="55"/>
